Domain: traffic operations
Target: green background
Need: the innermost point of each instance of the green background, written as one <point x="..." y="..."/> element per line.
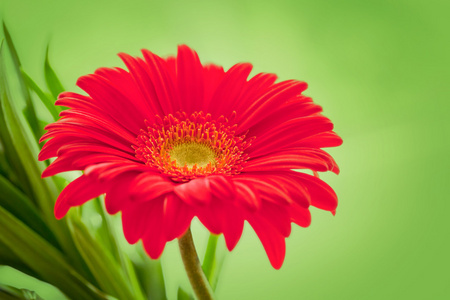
<point x="380" y="69"/>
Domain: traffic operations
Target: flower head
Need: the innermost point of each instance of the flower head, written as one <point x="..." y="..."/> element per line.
<point x="172" y="139"/>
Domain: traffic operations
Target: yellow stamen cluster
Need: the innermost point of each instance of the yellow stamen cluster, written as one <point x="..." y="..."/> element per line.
<point x="192" y="154"/>
<point x="185" y="147"/>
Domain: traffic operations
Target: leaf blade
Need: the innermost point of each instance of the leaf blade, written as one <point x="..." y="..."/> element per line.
<point x="46" y="100"/>
<point x="209" y="262"/>
<point x="102" y="265"/>
<point x="29" y="111"/>
<point x="23" y="209"/>
<point x="47" y="262"/>
<point x="53" y="83"/>
<point x="43" y="191"/>
<point x="8" y="292"/>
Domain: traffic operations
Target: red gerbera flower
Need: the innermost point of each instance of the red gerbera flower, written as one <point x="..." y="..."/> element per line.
<point x="172" y="139"/>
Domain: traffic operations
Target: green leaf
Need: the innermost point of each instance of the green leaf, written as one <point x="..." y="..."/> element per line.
<point x="19" y="177"/>
<point x="43" y="191"/>
<point x="5" y="168"/>
<point x="29" y="111"/>
<point x="150" y="275"/>
<point x="183" y="295"/>
<point x="47" y="100"/>
<point x="215" y="277"/>
<point x="132" y="275"/>
<point x="22" y="208"/>
<point x="105" y="269"/>
<point x="105" y="235"/>
<point x="7" y="294"/>
<point x="53" y="83"/>
<point x="209" y="262"/>
<point x="212" y="265"/>
<point x="104" y="231"/>
<point x="22" y="294"/>
<point x="9" y="258"/>
<point x="47" y="261"/>
<point x="26" y="150"/>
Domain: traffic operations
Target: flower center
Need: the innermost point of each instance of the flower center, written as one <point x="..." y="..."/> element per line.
<point x="186" y="147"/>
<point x="193" y="153"/>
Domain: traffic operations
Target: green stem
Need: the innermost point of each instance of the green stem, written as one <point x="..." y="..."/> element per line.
<point x="209" y="262"/>
<point x="194" y="271"/>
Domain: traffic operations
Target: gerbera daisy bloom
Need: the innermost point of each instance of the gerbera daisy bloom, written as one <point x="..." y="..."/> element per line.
<point x="172" y="139"/>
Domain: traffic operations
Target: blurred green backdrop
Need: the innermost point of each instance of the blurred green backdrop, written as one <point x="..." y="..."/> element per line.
<point x="379" y="68"/>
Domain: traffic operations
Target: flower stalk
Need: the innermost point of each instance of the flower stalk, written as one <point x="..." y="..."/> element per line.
<point x="197" y="278"/>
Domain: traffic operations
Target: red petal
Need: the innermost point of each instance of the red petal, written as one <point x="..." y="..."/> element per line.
<point x="212" y="216"/>
<point x="160" y="76"/>
<point x="92" y="119"/>
<point x="212" y="76"/>
<point x="265" y="188"/>
<point x="300" y="215"/>
<point x="278" y="216"/>
<point x="247" y="195"/>
<point x="233" y="225"/>
<point x="139" y="72"/>
<point x="155" y="240"/>
<point x="177" y="216"/>
<point x="79" y="130"/>
<point x="322" y="195"/>
<point x="107" y="171"/>
<point x="148" y="186"/>
<point x="77" y="193"/>
<point x="230" y="88"/>
<point x="112" y="101"/>
<point x="287" y="135"/>
<point x="190" y="80"/>
<point x="321" y="140"/>
<point x="286" y="160"/>
<point x="135" y="219"/>
<point x="51" y="147"/>
<point x="123" y="81"/>
<point x="300" y="106"/>
<point x="271" y="239"/>
<point x="118" y="194"/>
<point x="256" y="87"/>
<point x="60" y="165"/>
<point x="266" y="104"/>
<point x="222" y="187"/>
<point x="194" y="192"/>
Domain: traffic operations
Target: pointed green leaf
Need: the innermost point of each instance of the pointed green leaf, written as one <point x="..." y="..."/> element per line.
<point x="12" y="49"/>
<point x="132" y="275"/>
<point x="150" y="275"/>
<point x="183" y="295"/>
<point x="209" y="262"/>
<point x="216" y="274"/>
<point x="104" y="234"/>
<point x="19" y="177"/>
<point x="30" y="295"/>
<point x="22" y="208"/>
<point x="43" y="191"/>
<point x="29" y="111"/>
<point x="47" y="100"/>
<point x="26" y="151"/>
<point x="7" y="295"/>
<point x="22" y="294"/>
<point x="53" y="83"/>
<point x="9" y="258"/>
<point x="212" y="265"/>
<point x="5" y="168"/>
<point x="105" y="269"/>
<point x="44" y="259"/>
